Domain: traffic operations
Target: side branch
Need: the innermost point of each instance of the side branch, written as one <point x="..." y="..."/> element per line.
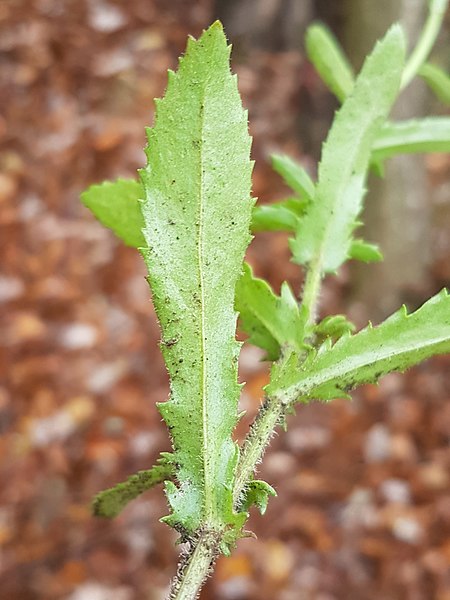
<point x="269" y="416"/>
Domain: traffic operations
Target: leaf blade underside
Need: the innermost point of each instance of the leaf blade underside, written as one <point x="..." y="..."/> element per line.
<point x="197" y="212"/>
<point x="398" y="343"/>
<point x="116" y="204"/>
<point x="324" y="234"/>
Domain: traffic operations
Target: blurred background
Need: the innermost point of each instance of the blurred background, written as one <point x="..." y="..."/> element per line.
<point x="363" y="510"/>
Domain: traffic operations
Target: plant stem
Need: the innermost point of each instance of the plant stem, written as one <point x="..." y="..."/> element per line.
<point x="437" y="9"/>
<point x="194" y="571"/>
<point x="311" y="289"/>
<point x="273" y="409"/>
<point x="255" y="444"/>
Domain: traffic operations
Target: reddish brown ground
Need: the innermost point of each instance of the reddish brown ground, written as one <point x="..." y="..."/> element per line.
<point x="363" y="510"/>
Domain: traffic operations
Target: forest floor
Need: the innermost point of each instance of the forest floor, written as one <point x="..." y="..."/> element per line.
<point x="363" y="506"/>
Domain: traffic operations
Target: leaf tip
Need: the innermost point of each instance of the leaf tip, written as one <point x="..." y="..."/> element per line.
<point x="215" y="32"/>
<point x="216" y="27"/>
<point x="397" y="37"/>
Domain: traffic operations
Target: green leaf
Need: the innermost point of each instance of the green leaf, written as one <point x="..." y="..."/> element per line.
<point x="111" y="502"/>
<point x="295" y="176"/>
<point x="116" y="205"/>
<point x="438" y="80"/>
<point x="361" y="250"/>
<point x="257" y="494"/>
<point x="324" y="234"/>
<point x="197" y="212"/>
<point x="279" y="216"/>
<point x="398" y="343"/>
<point x="270" y="321"/>
<point x="330" y="61"/>
<point x="334" y="326"/>
<point x="405" y="137"/>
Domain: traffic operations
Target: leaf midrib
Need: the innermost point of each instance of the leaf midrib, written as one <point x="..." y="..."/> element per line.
<point x="330" y="373"/>
<point x="337" y="203"/>
<point x="209" y="488"/>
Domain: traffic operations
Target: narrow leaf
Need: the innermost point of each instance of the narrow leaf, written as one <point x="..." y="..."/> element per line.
<point x="197" y="212"/>
<point x="398" y="343"/>
<point x="270" y="321"/>
<point x="365" y="252"/>
<point x="405" y="137"/>
<point x="111" y="502"/>
<point x="324" y="234"/>
<point x="279" y="216"/>
<point x="438" y="80"/>
<point x="295" y="176"/>
<point x="329" y="59"/>
<point x="116" y="205"/>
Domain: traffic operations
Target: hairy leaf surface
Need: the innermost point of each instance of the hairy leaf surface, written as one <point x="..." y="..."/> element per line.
<point x="325" y="232"/>
<point x="396" y="344"/>
<point x="116" y="205"/>
<point x="197" y="212"/>
<point x="109" y="503"/>
<point x="270" y="321"/>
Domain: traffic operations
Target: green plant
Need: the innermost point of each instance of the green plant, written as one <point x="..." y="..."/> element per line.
<point x="190" y="216"/>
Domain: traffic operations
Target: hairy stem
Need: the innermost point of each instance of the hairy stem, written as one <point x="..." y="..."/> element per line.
<point x="254" y="446"/>
<point x="273" y="409"/>
<point x="194" y="570"/>
<point x="437" y="9"/>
